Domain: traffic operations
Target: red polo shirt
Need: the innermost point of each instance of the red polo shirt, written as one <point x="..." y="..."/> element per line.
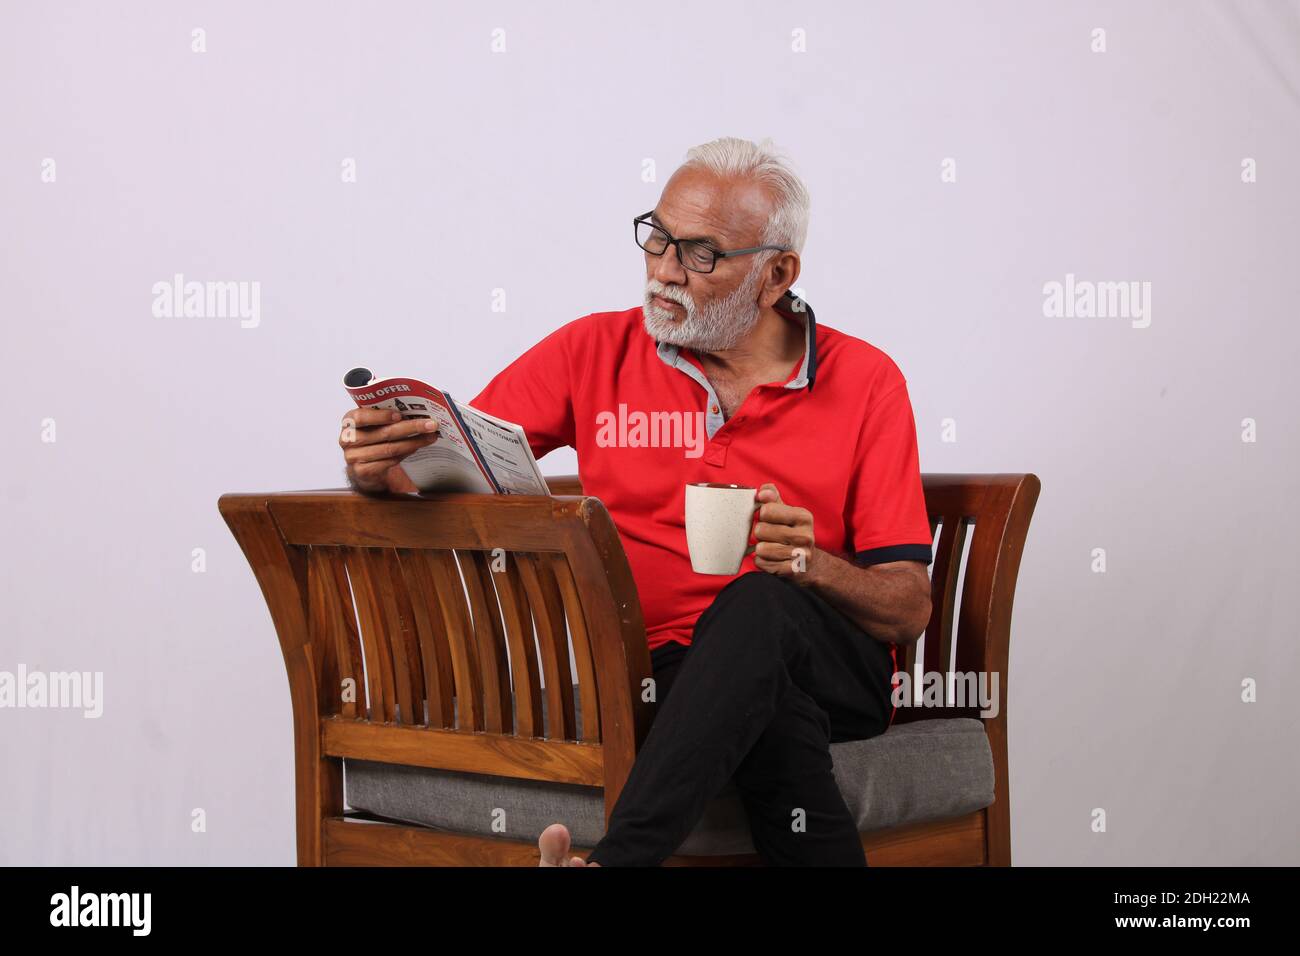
<point x="645" y="422"/>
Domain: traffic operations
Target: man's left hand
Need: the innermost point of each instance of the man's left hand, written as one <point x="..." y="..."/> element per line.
<point x="783" y="536"/>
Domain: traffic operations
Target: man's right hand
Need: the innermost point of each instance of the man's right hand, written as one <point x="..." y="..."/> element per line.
<point x="374" y="442"/>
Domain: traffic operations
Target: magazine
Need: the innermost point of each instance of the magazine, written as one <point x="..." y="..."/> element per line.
<point x="474" y="452"/>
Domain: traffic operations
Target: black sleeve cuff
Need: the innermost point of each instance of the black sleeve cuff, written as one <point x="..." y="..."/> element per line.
<point x="895" y="552"/>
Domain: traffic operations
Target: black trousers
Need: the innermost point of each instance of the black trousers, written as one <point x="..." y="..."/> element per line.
<point x="774" y="675"/>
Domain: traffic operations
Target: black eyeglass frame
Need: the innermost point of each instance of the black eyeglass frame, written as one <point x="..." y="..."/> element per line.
<point x="677" y="245"/>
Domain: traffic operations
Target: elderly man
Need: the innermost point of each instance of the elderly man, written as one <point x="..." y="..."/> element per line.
<point x="755" y="674"/>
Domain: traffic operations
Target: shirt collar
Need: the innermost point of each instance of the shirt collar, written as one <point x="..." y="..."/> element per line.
<point x="792" y="307"/>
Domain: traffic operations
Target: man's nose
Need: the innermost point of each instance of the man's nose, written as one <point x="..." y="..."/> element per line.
<point x="667" y="269"/>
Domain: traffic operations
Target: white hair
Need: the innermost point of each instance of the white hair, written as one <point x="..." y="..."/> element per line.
<point x="732" y="157"/>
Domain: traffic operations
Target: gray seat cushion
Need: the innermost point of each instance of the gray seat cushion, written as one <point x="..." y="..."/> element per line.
<point x="914" y="772"/>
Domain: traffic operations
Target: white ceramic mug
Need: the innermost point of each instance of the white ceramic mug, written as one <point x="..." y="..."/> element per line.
<point x="719" y="518"/>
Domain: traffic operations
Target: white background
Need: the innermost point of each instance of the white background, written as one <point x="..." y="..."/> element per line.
<point x="520" y="171"/>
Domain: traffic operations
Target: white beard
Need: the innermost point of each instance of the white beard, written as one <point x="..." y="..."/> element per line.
<point x="714" y="328"/>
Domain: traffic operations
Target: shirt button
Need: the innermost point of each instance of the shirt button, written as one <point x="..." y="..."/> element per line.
<point x="715" y="409"/>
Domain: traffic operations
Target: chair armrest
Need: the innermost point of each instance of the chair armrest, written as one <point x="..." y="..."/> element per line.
<point x="493" y="600"/>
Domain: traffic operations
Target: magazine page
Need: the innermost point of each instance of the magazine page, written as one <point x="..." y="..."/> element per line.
<point x="450" y="463"/>
<point x="504" y="447"/>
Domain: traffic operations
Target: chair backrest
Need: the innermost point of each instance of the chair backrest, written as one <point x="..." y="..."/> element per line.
<point x="969" y="634"/>
<point x="982" y="521"/>
<point x="386" y="607"/>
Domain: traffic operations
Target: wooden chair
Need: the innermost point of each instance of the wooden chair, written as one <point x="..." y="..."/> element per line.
<point x="387" y="606"/>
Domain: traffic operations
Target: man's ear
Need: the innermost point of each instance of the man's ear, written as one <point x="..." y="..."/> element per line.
<point x="782" y="271"/>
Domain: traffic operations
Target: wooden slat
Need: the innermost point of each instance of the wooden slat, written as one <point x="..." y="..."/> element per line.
<point x="518" y="619"/>
<point x="557" y="761"/>
<point x="583" y="663"/>
<point x="498" y="714"/>
<point x="552" y="645"/>
<point x="354" y="666"/>
<point x="374" y="642"/>
<point x="328" y="630"/>
<point x="399" y="633"/>
<point x="431" y="633"/>
<point x="937" y="651"/>
<point x="460" y="638"/>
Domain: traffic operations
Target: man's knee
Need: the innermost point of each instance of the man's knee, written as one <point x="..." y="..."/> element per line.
<point x="794" y="745"/>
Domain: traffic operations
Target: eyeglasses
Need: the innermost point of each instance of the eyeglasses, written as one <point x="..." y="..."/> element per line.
<point x="691" y="253"/>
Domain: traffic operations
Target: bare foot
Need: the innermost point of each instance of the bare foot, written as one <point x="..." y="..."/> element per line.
<point x="554" y="844"/>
